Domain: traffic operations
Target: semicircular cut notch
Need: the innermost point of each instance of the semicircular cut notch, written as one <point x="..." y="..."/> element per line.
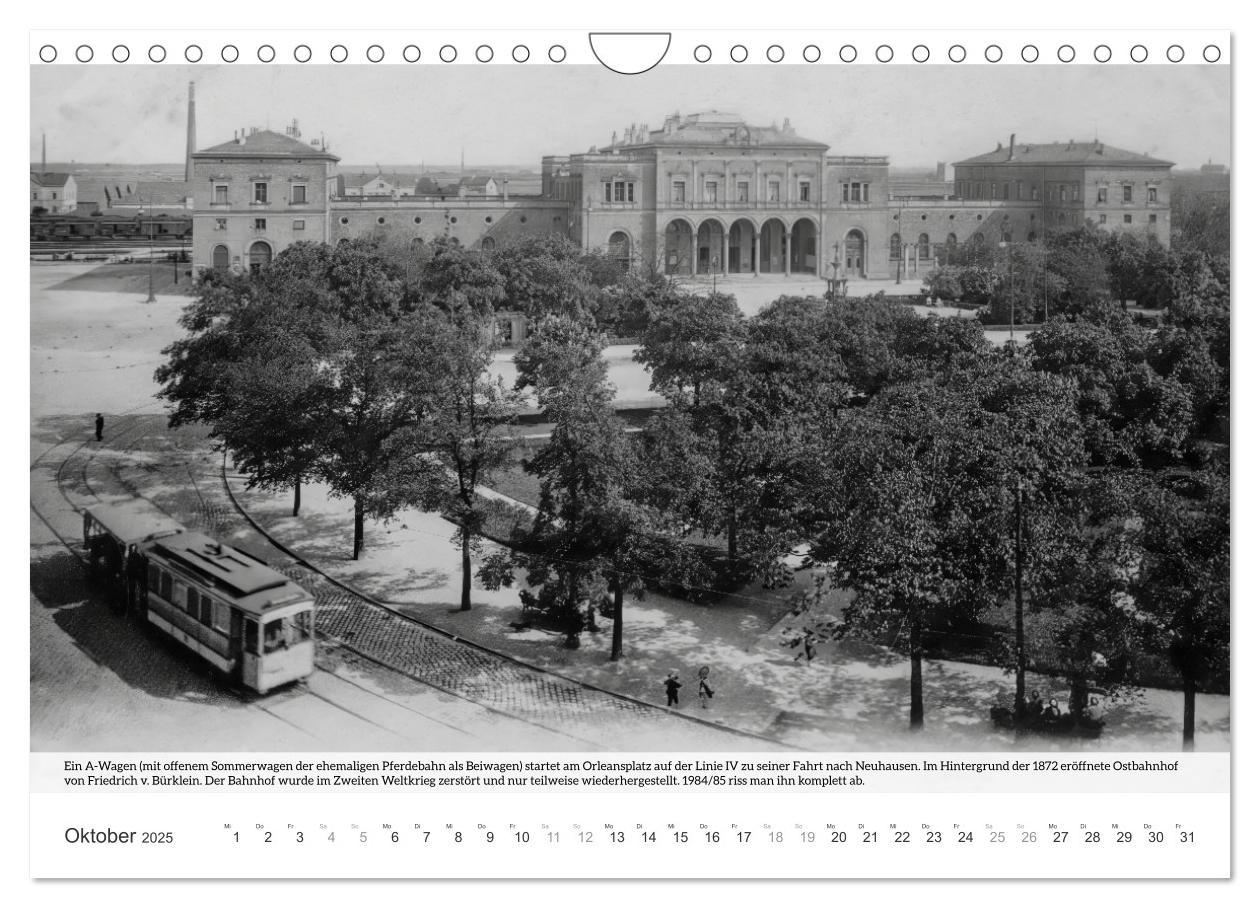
<point x="629" y="53"/>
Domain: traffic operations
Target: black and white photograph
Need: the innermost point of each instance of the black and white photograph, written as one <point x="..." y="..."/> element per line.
<point x="772" y="408"/>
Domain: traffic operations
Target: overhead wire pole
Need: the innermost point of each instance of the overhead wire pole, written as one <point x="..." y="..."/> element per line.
<point x="152" y="298"/>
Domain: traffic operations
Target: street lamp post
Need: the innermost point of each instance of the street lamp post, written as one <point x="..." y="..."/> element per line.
<point x="152" y="298"/>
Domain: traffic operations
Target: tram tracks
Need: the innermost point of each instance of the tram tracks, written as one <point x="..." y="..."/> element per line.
<point x="79" y="486"/>
<point x="497" y="684"/>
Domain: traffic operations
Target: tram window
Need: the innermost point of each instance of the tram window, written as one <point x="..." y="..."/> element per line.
<point x="222" y="617"/>
<point x="155" y="577"/>
<point x="251" y="636"/>
<point x="285" y="632"/>
<point x="207" y="610"/>
<point x="165" y="588"/>
<point x="192" y="603"/>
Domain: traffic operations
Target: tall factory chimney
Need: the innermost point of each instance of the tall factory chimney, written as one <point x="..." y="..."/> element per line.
<point x="192" y="132"/>
<point x="43" y="153"/>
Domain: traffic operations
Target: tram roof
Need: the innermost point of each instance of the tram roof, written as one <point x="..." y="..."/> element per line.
<point x="135" y="521"/>
<point x="254" y="584"/>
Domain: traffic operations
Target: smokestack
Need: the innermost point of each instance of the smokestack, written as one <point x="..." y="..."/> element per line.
<point x="1010" y="155"/>
<point x="192" y="132"/>
<point x="505" y="195"/>
<point x="43" y="153"/>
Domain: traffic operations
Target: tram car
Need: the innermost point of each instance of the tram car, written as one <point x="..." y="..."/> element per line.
<point x="245" y="618"/>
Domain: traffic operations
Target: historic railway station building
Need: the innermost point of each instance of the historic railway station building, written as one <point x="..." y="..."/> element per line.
<point x="706" y="194"/>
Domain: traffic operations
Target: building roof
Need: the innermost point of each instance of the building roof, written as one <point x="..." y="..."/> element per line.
<point x="264" y="142"/>
<point x="50" y="180"/>
<point x="361" y="179"/>
<point x="712" y="127"/>
<point x="1064" y="153"/>
<point x="158" y="193"/>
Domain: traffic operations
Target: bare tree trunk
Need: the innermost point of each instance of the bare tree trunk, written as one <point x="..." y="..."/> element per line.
<point x="916" y="672"/>
<point x="1187" y="712"/>
<point x="465" y="590"/>
<point x="618" y="600"/>
<point x="732" y="526"/>
<point x="358" y="526"/>
<point x="297" y="496"/>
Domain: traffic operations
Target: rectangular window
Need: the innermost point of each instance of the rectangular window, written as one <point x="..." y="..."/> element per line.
<point x="193" y="598"/>
<point x="220" y="194"/>
<point x="1006" y="191"/>
<point x="220" y="223"/>
<point x="1128" y="219"/>
<point x="207" y="611"/>
<point x="299" y="194"/>
<point x="619" y="192"/>
<point x="608" y="192"/>
<point x="260" y="223"/>
<point x="1127" y="193"/>
<point x="710" y="192"/>
<point x="680" y="191"/>
<point x="165" y="587"/>
<point x="1152" y="218"/>
<point x="803" y="193"/>
<point x="1102" y="219"/>
<point x="299" y="224"/>
<point x="1102" y="195"/>
<point x="1076" y="192"/>
<point x="222" y="620"/>
<point x="1152" y="194"/>
<point x="844" y="192"/>
<point x="1036" y="192"/>
<point x="772" y="191"/>
<point x="260" y="193"/>
<point x="1019" y="189"/>
<point x="1062" y="193"/>
<point x="741" y="192"/>
<point x="993" y="190"/>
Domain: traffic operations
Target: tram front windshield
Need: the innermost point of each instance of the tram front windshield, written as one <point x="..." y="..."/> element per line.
<point x="282" y="633"/>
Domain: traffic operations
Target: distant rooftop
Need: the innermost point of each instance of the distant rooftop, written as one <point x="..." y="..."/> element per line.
<point x="50" y="180"/>
<point x="265" y="142"/>
<point x="1070" y="152"/>
<point x="711" y="127"/>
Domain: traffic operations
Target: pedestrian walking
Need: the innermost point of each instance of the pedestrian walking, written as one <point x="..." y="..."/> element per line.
<point x="672" y="686"/>
<point x="100" y="426"/>
<point x="706" y="691"/>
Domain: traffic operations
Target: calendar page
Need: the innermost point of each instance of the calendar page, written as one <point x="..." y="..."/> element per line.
<point x="641" y="453"/>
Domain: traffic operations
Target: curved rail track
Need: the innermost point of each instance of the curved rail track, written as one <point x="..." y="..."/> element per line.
<point x="141" y="458"/>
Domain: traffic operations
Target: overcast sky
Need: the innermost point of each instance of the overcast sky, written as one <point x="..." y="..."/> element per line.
<point x="507" y="114"/>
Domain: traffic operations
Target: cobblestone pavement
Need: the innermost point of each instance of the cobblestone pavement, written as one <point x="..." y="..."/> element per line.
<point x="178" y="472"/>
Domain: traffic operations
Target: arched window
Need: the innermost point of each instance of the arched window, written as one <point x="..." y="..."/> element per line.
<point x="221" y="258"/>
<point x="1006" y="236"/>
<point x="951" y="240"/>
<point x="978" y="237"/>
<point x="619" y="249"/>
<point x="894" y="246"/>
<point x="925" y="246"/>
<point x="259" y="256"/>
<point x="487" y="244"/>
<point x="1032" y="236"/>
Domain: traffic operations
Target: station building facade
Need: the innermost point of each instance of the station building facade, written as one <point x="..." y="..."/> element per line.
<point x="706" y="194"/>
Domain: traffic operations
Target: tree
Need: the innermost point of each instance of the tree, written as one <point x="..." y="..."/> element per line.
<point x="691" y="342"/>
<point x="1183" y="580"/>
<point x="298" y="371"/>
<point x="908" y="519"/>
<point x="1131" y="414"/>
<point x="468" y="424"/>
<point x="544" y="275"/>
